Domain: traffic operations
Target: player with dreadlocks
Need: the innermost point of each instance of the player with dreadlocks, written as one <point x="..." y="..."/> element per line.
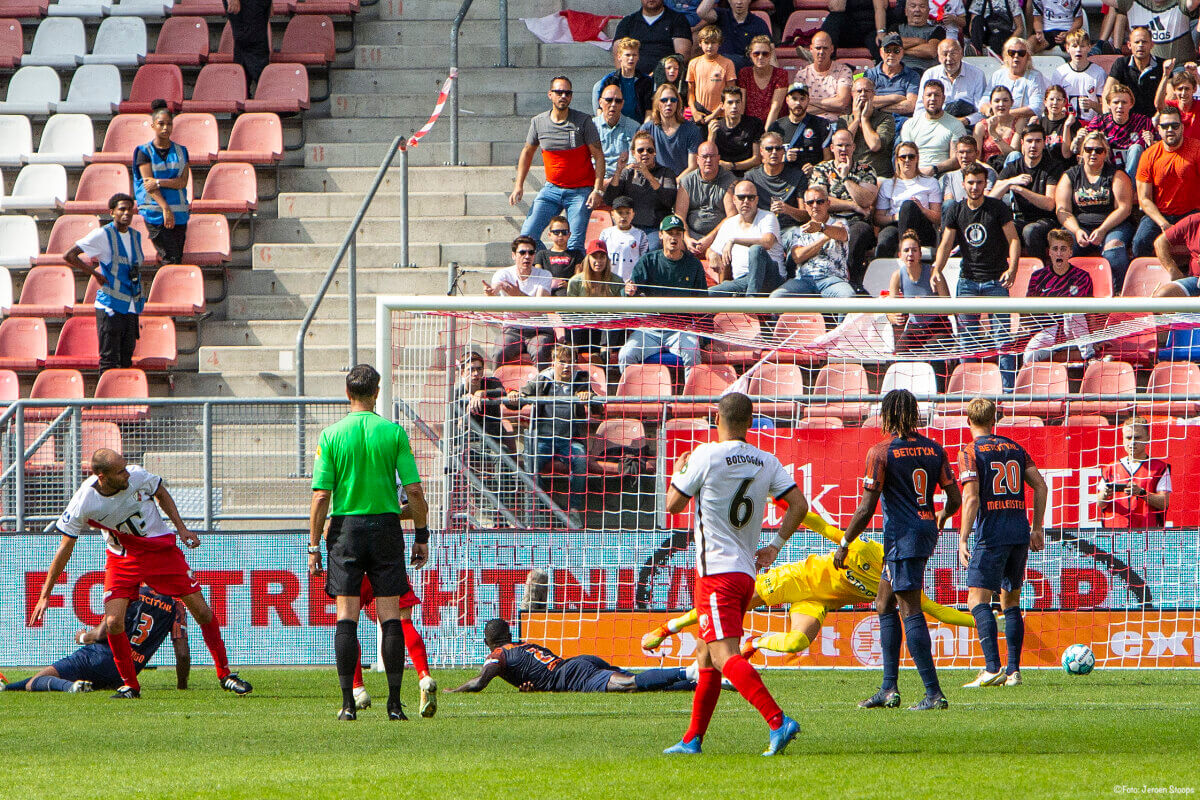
<point x="904" y="470"/>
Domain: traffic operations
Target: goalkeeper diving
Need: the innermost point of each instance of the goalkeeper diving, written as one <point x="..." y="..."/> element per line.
<point x="811" y="588"/>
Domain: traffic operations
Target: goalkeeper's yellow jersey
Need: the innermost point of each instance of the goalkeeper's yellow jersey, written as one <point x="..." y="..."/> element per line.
<point x="815" y="580"/>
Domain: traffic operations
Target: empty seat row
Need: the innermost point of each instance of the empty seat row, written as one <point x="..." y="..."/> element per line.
<point x="23" y="344"/>
<point x="37" y="91"/>
<point x="49" y="291"/>
<point x="94" y="434"/>
<point x="68" y="384"/>
<point x="256" y="138"/>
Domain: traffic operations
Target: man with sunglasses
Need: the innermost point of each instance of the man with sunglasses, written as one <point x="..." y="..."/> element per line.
<point x="1168" y="181"/>
<point x="895" y="84"/>
<point x="616" y="130"/>
<point x="574" y="164"/>
<point x="522" y="279"/>
<point x="818" y="248"/>
<point x="746" y="252"/>
<point x="780" y="184"/>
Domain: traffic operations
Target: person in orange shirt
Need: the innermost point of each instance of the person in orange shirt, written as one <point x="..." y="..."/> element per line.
<point x="1168" y="180"/>
<point x="708" y="75"/>
<point x="1135" y="491"/>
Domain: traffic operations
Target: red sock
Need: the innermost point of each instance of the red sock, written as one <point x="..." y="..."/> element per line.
<point x="704" y="702"/>
<point x="123" y="656"/>
<point x="416" y="648"/>
<point x="216" y="646"/>
<point x="748" y="682"/>
<point x="358" y="679"/>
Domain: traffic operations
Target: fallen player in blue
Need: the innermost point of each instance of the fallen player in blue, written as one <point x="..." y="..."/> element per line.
<point x="533" y="668"/>
<point x="148" y="621"/>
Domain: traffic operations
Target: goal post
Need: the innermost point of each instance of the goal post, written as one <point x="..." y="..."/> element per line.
<point x="550" y="507"/>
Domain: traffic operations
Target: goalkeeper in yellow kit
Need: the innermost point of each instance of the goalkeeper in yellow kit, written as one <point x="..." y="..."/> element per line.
<point x="811" y="588"/>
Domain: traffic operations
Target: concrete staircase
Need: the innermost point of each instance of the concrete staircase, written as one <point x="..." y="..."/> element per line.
<point x="457" y="213"/>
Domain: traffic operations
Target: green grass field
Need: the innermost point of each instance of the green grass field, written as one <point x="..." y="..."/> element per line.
<point x="1054" y="737"/>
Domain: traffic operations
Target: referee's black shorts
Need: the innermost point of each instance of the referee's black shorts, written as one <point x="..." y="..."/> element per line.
<point x="370" y="544"/>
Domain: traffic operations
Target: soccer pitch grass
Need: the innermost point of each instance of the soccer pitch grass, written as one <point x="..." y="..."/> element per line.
<point x="1095" y="736"/>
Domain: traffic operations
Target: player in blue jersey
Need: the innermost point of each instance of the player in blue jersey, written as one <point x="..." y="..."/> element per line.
<point x="533" y="668"/>
<point x="148" y="621"/>
<point x="905" y="470"/>
<point x="994" y="472"/>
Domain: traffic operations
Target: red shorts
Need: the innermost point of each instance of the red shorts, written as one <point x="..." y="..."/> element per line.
<point x="407" y="600"/>
<point x="721" y="602"/>
<point x="160" y="566"/>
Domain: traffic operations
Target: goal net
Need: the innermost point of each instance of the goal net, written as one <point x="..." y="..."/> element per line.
<point x="551" y="502"/>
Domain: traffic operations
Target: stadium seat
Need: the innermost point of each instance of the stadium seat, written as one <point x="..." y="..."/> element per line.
<point x="120" y="41"/>
<point x="98" y="183"/>
<point x="149" y="251"/>
<point x="878" y="276"/>
<point x="156" y="343"/>
<point x="44" y="459"/>
<point x="68" y="229"/>
<point x="67" y="139"/>
<point x="308" y="39"/>
<point x="282" y="89"/>
<point x="23" y="343"/>
<point x="599" y="378"/>
<point x="797" y="331"/>
<point x="54" y="384"/>
<point x="1181" y="380"/>
<point x="255" y="139"/>
<point x="948" y="422"/>
<point x="1105" y="62"/>
<point x="18" y="9"/>
<point x="819" y="423"/>
<point x="1105" y="377"/>
<point x="745" y="329"/>
<point x="614" y="441"/>
<point x="32" y="90"/>
<point x="177" y="291"/>
<point x="1138" y="346"/>
<point x="198" y="8"/>
<point x="95" y="90"/>
<point x="916" y="376"/>
<point x="806" y="20"/>
<point x="514" y="376"/>
<point x="20" y="237"/>
<point x="198" y="133"/>
<point x="78" y="345"/>
<point x="154" y="82"/>
<point x="182" y="41"/>
<point x="772" y="379"/>
<point x="95" y="435"/>
<point x="88" y="9"/>
<point x="88" y="306"/>
<point x="150" y="9"/>
<point x="224" y="51"/>
<point x="841" y="379"/>
<point x="126" y="132"/>
<point x="38" y="187"/>
<point x="6" y="292"/>
<point x="1025" y="269"/>
<point x="47" y="292"/>
<point x="10" y="386"/>
<point x="1143" y="277"/>
<point x="207" y="242"/>
<point x="1086" y="420"/>
<point x="129" y="383"/>
<point x="642" y="380"/>
<point x="687" y="425"/>
<point x="229" y="188"/>
<point x="1017" y="421"/>
<point x="597" y="222"/>
<point x="12" y="43"/>
<point x="1047" y="63"/>
<point x="329" y="7"/>
<point x="1101" y="272"/>
<point x="969" y="380"/>
<point x="219" y="89"/>
<point x="16" y="139"/>
<point x="1039" y="380"/>
<point x="988" y="64"/>
<point x="703" y="380"/>
<point x="1183" y="344"/>
<point x="57" y="43"/>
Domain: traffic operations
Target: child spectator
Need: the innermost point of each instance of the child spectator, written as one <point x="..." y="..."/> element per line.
<point x="708" y="75"/>
<point x="1059" y="278"/>
<point x="624" y="243"/>
<point x="1082" y="79"/>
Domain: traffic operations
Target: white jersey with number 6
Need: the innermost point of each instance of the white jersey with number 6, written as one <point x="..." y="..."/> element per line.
<point x="730" y="482"/>
<point x="128" y="513"/>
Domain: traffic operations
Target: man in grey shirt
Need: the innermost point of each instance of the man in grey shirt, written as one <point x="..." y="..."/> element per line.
<point x="704" y="199"/>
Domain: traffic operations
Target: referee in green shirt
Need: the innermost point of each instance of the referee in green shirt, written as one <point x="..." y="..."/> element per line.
<point x="354" y="481"/>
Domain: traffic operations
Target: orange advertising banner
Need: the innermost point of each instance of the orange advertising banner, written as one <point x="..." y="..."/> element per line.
<point x="851" y="639"/>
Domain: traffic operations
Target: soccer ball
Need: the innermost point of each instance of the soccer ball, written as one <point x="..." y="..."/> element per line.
<point x="1078" y="659"/>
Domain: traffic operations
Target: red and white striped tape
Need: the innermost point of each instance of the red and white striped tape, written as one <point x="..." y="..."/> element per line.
<point x="437" y="110"/>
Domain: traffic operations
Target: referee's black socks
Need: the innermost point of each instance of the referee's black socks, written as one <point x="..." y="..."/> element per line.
<point x="393" y="659"/>
<point x="345" y="648"/>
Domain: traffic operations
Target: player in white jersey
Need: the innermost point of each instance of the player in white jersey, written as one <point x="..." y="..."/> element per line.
<point x="730" y="481"/>
<point x="120" y="501"/>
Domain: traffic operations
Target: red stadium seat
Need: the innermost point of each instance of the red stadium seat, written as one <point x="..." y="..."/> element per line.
<point x="819" y="423"/>
<point x="20" y="9"/>
<point x="68" y="229"/>
<point x="1181" y="380"/>
<point x="126" y="132"/>
<point x="1040" y="380"/>
<point x="599" y="378"/>
<point x="1087" y="420"/>
<point x="687" y="424"/>
<point x="642" y="380"/>
<point x="149" y="251"/>
<point x="22" y="343"/>
<point x="773" y="379"/>
<point x="44" y="459"/>
<point x="333" y="7"/>
<point x="48" y="292"/>
<point x="153" y="82"/>
<point x="182" y="41"/>
<point x="156" y="343"/>
<point x="808" y="20"/>
<point x="224" y="52"/>
<point x="1101" y="272"/>
<point x="98" y="183"/>
<point x="948" y="422"/>
<point x="1025" y="269"/>
<point x="1020" y="422"/>
<point x="282" y="88"/>
<point x="256" y="139"/>
<point x="57" y="384"/>
<point x="10" y="386"/>
<point x="1143" y="277"/>
<point x="229" y="188"/>
<point x="198" y="8"/>
<point x="198" y="133"/>
<point x="614" y="441"/>
<point x="283" y="8"/>
<point x="89" y="298"/>
<point x="129" y="383"/>
<point x="514" y="376"/>
<point x="841" y="379"/>
<point x="1105" y="377"/>
<point x="1138" y="347"/>
<point x="742" y="327"/>
<point x="207" y="242"/>
<point x="12" y="43"/>
<point x="220" y="89"/>
<point x="78" y="345"/>
<point x="308" y="39"/>
<point x="799" y="330"/>
<point x="597" y="222"/>
<point x="703" y="380"/>
<point x="967" y="381"/>
<point x="177" y="291"/>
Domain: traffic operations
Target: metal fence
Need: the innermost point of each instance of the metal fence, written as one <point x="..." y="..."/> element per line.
<point x="224" y="459"/>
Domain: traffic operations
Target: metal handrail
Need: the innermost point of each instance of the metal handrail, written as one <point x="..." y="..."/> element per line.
<point x="504" y="62"/>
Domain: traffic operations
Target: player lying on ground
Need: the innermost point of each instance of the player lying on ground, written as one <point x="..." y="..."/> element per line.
<point x="148" y="621"/>
<point x="533" y="668"/>
<point x="120" y="502"/>
<point x="812" y="588"/>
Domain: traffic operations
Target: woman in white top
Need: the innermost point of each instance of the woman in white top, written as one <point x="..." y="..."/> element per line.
<point x="908" y="200"/>
<point x="1027" y="85"/>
